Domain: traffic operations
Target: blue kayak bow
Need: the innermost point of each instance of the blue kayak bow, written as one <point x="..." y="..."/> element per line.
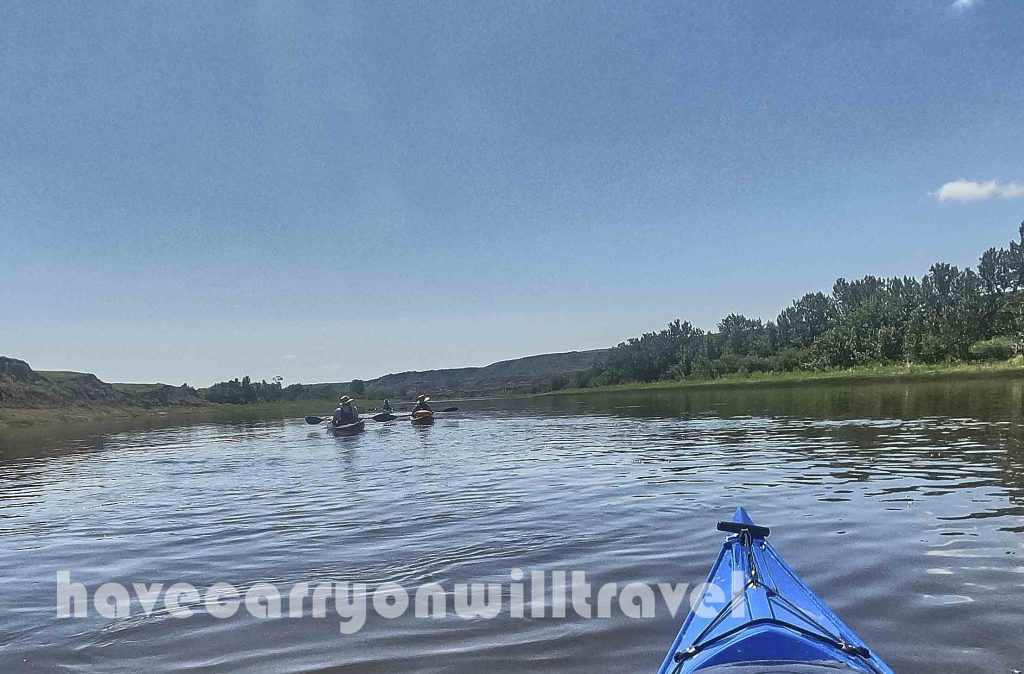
<point x="773" y="622"/>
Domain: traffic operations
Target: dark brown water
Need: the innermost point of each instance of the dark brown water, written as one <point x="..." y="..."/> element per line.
<point x="901" y="505"/>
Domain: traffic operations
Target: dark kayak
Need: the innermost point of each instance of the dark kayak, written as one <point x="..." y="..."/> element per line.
<point x="422" y="418"/>
<point x="774" y="624"/>
<point x="347" y="429"/>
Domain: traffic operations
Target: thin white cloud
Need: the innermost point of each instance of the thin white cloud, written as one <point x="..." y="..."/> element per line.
<point x="1012" y="191"/>
<point x="963" y="5"/>
<point x="970" y="190"/>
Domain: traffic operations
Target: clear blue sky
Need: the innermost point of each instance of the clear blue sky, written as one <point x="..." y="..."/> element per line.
<point x="194" y="191"/>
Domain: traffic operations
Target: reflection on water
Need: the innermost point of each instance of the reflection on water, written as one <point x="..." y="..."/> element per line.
<point x="902" y="505"/>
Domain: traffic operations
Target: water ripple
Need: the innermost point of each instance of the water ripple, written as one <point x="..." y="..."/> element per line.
<point x="906" y="523"/>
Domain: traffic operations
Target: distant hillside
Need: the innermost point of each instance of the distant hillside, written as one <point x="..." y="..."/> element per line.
<point x="520" y="375"/>
<point x="21" y="386"/>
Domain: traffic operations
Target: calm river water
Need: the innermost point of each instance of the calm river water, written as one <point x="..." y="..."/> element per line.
<point x="901" y="505"/>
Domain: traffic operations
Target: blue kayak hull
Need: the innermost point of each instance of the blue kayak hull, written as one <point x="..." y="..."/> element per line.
<point x="763" y="616"/>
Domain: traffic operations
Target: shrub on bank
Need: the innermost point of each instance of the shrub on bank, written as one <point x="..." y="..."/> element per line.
<point x="997" y="348"/>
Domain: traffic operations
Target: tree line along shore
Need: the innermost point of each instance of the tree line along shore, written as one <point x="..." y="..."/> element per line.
<point x="951" y="322"/>
<point x="946" y="318"/>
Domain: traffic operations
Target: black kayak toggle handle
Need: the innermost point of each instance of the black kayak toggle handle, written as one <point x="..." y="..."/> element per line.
<point x="756" y="531"/>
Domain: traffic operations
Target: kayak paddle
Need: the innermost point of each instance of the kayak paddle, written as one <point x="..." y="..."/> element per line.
<point x="392" y="417"/>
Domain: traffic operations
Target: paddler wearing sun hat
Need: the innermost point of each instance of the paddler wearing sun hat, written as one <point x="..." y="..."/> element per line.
<point x="421" y="404"/>
<point x="346" y="413"/>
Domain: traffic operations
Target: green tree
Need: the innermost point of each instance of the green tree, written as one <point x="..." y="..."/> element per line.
<point x="248" y="391"/>
<point x="806" y="321"/>
<point x="649" y="357"/>
<point x="744" y="336"/>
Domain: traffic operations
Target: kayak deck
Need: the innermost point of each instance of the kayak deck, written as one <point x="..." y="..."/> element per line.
<point x="346" y="429"/>
<point x="772" y="618"/>
<point x="422" y="418"/>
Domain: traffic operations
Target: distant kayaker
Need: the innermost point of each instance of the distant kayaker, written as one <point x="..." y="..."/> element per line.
<point x="346" y="413"/>
<point x="386" y="407"/>
<point x="421" y="404"/>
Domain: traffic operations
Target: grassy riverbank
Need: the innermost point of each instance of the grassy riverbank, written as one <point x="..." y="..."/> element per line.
<point x="11" y="418"/>
<point x="18" y="417"/>
<point x="865" y="374"/>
